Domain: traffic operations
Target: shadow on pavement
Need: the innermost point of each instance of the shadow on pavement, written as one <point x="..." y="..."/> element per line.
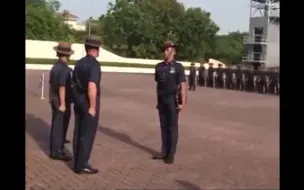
<point x="188" y="185"/>
<point x="39" y="130"/>
<point x="125" y="139"/>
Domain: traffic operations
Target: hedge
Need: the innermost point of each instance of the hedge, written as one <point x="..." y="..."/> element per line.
<point x="72" y="62"/>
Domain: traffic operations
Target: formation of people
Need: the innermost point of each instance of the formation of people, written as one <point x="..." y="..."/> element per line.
<point x="249" y="80"/>
<point x="81" y="88"/>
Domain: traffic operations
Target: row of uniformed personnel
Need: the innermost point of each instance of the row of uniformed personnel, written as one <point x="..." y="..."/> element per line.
<point x="261" y="81"/>
<point x="82" y="87"/>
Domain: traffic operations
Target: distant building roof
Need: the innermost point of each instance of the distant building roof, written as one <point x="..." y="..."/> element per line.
<point x="67" y="15"/>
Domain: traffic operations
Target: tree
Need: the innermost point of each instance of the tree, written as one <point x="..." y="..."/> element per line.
<point x="229" y="48"/>
<point x="42" y="23"/>
<point x="136" y="28"/>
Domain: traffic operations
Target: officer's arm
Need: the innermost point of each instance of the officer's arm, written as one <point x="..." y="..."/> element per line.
<point x="155" y="74"/>
<point x="50" y="86"/>
<point x="62" y="83"/>
<point x="92" y="85"/>
<point x="182" y="83"/>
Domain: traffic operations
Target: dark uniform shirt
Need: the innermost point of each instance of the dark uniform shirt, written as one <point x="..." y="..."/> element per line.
<point x="168" y="77"/>
<point x="86" y="70"/>
<point x="61" y="75"/>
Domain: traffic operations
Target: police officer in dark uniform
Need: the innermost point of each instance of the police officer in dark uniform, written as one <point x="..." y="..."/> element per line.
<point x="273" y="82"/>
<point x="210" y="77"/>
<point x="192" y="77"/>
<point x="86" y="80"/>
<point x="238" y="77"/>
<point x="60" y="96"/>
<point x="249" y="80"/>
<point x="201" y="75"/>
<point x="219" y="76"/>
<point x="229" y="78"/>
<point x="261" y="81"/>
<point x="171" y="98"/>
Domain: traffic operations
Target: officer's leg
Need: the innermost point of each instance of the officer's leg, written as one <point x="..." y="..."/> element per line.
<point x="76" y="132"/>
<point x="56" y="140"/>
<point x="190" y="84"/>
<point x="66" y="122"/>
<point x="173" y="131"/>
<point x="163" y="119"/>
<point x="89" y="133"/>
<point x="194" y="85"/>
<point x="89" y="137"/>
<point x="78" y="148"/>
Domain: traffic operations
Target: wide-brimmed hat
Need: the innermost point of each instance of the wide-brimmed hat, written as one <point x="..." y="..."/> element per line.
<point x="64" y="48"/>
<point x="93" y="41"/>
<point x="167" y="44"/>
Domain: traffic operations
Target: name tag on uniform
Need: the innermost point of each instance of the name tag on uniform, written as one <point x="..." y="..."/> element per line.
<point x="172" y="70"/>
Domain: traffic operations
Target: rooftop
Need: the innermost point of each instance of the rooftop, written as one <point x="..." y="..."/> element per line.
<point x="67" y="15"/>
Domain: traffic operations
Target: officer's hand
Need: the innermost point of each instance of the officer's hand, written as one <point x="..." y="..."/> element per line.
<point x="180" y="107"/>
<point x="92" y="112"/>
<point x="62" y="108"/>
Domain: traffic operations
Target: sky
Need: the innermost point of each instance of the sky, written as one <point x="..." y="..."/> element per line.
<point x="229" y="17"/>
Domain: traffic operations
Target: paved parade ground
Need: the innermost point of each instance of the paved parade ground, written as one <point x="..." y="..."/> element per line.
<point x="227" y="140"/>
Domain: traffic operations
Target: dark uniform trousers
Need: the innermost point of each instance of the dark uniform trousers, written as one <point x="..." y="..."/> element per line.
<point x="210" y="81"/>
<point x="192" y="85"/>
<point x="168" y="116"/>
<point x="201" y="81"/>
<point x="85" y="131"/>
<point x="60" y="124"/>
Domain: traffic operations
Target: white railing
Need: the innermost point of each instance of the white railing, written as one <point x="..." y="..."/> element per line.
<point x="255" y="39"/>
<point x="254" y="57"/>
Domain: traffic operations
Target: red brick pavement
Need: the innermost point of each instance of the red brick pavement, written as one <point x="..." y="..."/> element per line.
<point x="228" y="140"/>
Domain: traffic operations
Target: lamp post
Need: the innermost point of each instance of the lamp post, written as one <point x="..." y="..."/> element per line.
<point x="89" y="29"/>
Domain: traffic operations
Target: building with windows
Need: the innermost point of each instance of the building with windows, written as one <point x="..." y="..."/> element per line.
<point x="262" y="45"/>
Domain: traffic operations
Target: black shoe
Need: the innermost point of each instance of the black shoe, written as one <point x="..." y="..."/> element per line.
<point x="86" y="170"/>
<point x="159" y="157"/>
<point x="60" y="156"/>
<point x="66" y="141"/>
<point x="169" y="160"/>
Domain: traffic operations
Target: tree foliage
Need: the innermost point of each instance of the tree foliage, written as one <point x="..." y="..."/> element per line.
<point x="137" y="28"/>
<point x="42" y="22"/>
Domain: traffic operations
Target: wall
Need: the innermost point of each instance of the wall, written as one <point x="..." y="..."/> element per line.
<point x="273" y="46"/>
<point x="44" y="50"/>
<point x="73" y="24"/>
<point x="256" y="22"/>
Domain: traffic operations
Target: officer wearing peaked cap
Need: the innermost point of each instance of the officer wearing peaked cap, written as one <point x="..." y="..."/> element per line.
<point x="86" y="80"/>
<point x="192" y="77"/>
<point x="171" y="99"/>
<point x="60" y="96"/>
<point x="210" y="77"/>
<point x="201" y="74"/>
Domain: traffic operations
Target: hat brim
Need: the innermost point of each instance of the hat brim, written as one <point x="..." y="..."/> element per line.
<point x="93" y="45"/>
<point x="71" y="52"/>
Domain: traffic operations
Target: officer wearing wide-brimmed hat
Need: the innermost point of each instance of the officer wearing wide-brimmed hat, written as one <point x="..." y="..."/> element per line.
<point x="219" y="76"/>
<point x="171" y="99"/>
<point x="192" y="77"/>
<point x="238" y="78"/>
<point x="202" y="74"/>
<point x="210" y="75"/>
<point x="86" y="80"/>
<point x="60" y="96"/>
